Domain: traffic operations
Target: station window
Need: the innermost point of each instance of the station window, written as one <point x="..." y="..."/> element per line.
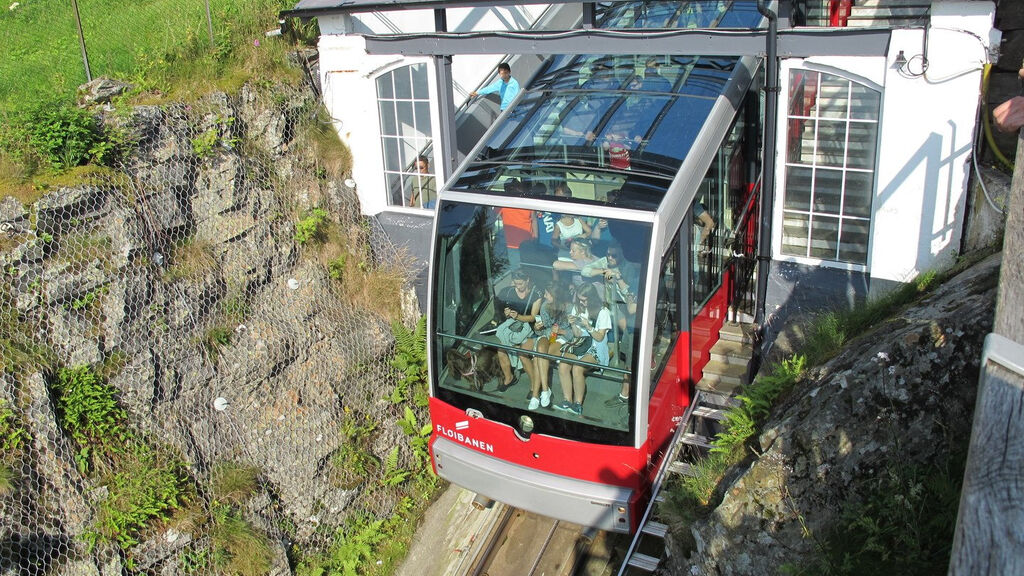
<point x="830" y="167"/>
<point x="403" y="100"/>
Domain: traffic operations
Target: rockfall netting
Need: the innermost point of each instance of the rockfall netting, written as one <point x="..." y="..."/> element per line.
<point x="198" y="354"/>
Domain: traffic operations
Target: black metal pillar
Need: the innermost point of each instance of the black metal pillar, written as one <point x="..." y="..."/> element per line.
<point x="771" y="106"/>
<point x="445" y="144"/>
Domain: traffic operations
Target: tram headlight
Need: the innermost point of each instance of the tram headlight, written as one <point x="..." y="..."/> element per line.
<point x="525" y="427"/>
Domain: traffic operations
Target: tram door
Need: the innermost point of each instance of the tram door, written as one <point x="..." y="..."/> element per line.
<point x="721" y="226"/>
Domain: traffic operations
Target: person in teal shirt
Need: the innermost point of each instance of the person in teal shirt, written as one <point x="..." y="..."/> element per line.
<point x="505" y="85"/>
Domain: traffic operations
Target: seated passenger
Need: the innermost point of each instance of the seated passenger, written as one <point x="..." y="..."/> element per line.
<point x="511" y="303"/>
<point x="550" y="316"/>
<point x="579" y="258"/>
<point x="589" y="323"/>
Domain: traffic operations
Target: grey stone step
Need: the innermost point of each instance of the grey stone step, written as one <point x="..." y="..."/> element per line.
<point x="732" y="352"/>
<point x="692" y="439"/>
<point x="710" y="398"/>
<point x="732" y="373"/>
<point x="643" y="562"/>
<point x="716" y="414"/>
<point x="656" y="529"/>
<point x="680" y="467"/>
<point x="737" y="333"/>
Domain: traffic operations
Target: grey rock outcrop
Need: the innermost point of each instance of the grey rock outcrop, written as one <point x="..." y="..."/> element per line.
<point x="904" y="392"/>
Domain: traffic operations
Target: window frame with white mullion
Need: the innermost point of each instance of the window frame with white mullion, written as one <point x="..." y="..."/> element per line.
<point x="806" y="184"/>
<point x="401" y="141"/>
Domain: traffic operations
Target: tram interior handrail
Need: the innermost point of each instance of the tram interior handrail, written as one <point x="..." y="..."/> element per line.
<point x="518" y="350"/>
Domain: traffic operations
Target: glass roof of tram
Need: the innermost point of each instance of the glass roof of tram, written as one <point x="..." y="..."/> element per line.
<point x="603" y="118"/>
<point x="618" y="126"/>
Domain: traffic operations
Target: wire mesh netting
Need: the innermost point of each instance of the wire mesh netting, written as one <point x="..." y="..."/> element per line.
<point x="197" y="352"/>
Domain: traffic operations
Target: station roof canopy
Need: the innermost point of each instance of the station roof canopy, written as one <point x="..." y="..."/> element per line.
<point x="721" y="41"/>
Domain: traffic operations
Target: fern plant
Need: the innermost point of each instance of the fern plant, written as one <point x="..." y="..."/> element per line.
<point x="411" y="362"/>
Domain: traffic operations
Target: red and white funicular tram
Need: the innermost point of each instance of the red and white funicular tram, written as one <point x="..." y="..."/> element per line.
<point x="582" y="266"/>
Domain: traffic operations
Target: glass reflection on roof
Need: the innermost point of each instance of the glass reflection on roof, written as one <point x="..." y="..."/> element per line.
<point x="624" y="121"/>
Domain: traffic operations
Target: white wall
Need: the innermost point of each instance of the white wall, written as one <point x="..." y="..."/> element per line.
<point x="928" y="124"/>
<point x="348" y="76"/>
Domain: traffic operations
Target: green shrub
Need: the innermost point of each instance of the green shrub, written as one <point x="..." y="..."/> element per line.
<point x="63" y="135"/>
<point x="89" y="412"/>
<point x="410" y="361"/>
<point x="902" y="524"/>
<point x="8" y="479"/>
<point x="20" y="349"/>
<point x="216" y="336"/>
<point x="354" y="459"/>
<point x="142" y="490"/>
<point x="13" y="436"/>
<point x="312" y="227"/>
<point x="234" y="483"/>
<point x="237" y="547"/>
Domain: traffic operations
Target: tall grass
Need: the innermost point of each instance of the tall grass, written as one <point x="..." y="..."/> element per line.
<point x="149" y="42"/>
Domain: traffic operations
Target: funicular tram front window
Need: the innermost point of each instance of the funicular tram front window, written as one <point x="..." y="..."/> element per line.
<point x="517" y="314"/>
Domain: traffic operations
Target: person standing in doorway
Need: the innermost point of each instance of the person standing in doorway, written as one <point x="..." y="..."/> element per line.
<point x="505" y="86"/>
<point x="422" y="188"/>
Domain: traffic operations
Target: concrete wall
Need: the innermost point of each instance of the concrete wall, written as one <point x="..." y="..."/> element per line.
<point x="348" y="77"/>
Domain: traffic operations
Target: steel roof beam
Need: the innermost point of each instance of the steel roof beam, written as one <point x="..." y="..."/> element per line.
<point x="793" y="42"/>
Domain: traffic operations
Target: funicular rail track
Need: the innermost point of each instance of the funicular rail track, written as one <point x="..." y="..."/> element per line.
<point x="522" y="543"/>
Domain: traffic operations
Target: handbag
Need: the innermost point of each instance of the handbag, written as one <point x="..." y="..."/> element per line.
<point x="513" y="332"/>
<point x="578" y="346"/>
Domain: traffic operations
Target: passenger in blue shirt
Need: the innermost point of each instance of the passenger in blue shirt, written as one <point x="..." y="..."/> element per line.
<point x="505" y="85"/>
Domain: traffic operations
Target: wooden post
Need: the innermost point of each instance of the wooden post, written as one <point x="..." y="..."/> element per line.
<point x="990" y="524"/>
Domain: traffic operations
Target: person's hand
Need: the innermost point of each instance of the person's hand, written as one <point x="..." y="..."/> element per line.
<point x="1009" y="115"/>
<point x="473" y="94"/>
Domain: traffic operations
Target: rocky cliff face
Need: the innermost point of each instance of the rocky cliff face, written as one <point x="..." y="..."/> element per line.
<point x="898" y="398"/>
<point x="180" y="279"/>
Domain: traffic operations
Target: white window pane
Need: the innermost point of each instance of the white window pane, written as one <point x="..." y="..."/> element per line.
<point x="385" y="86"/>
<point x="387" y="119"/>
<point x="395" y="186"/>
<point x="423" y="118"/>
<point x="419" y="82"/>
<point x="854" y="244"/>
<point x="403" y="84"/>
<point x="861" y="150"/>
<point x="406" y="119"/>
<point x="828" y="190"/>
<point x="833" y="97"/>
<point x="858" y="194"/>
<point x="803" y="90"/>
<point x="392" y="159"/>
<point x="824" y="237"/>
<point x="864" y="102"/>
<point x="831" y="143"/>
<point x="798" y="188"/>
<point x="794" y="234"/>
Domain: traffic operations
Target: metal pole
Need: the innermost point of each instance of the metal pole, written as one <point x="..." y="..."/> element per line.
<point x="771" y="106"/>
<point x="81" y="41"/>
<point x="209" y="23"/>
<point x="447" y="155"/>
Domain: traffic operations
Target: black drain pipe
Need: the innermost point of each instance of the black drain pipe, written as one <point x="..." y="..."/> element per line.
<point x="771" y="106"/>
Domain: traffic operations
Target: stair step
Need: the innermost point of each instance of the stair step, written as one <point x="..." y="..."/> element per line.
<point x="709" y="413"/>
<point x="737" y="333"/>
<point x="729" y="373"/>
<point x="683" y="468"/>
<point x="696" y="440"/>
<point x="732" y="352"/>
<point x="643" y="562"/>
<point x="656" y="529"/>
<point x="713" y="384"/>
<point x="711" y="398"/>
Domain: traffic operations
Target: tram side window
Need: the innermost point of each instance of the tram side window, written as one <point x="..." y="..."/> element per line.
<point x="666" y="315"/>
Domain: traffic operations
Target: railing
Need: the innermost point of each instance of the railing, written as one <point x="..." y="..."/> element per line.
<point x="741" y="242"/>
